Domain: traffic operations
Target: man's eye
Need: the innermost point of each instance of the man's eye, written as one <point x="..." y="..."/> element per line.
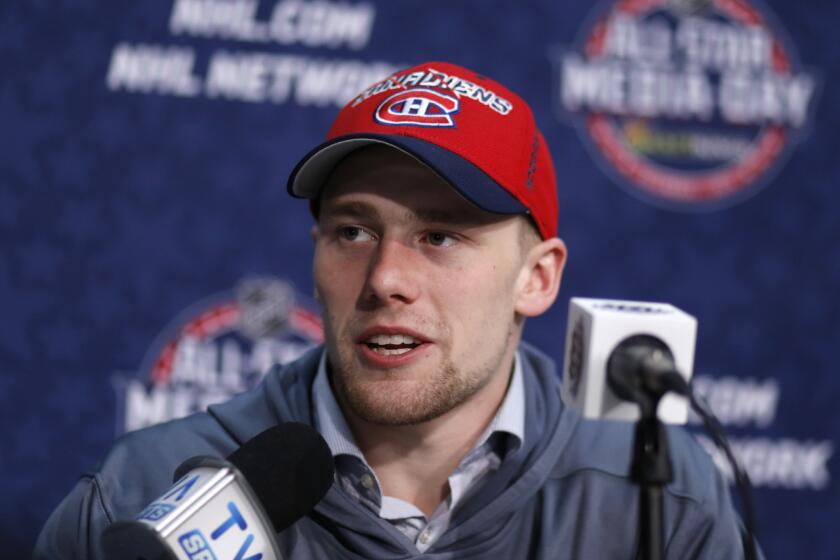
<point x="354" y="233"/>
<point x="439" y="239"/>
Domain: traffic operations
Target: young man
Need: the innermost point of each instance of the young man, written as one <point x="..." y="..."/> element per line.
<point x="436" y="213"/>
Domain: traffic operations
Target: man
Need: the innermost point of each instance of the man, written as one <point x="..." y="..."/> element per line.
<point x="436" y="214"/>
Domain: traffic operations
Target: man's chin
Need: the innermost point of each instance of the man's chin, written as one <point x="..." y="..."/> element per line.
<point x="398" y="401"/>
<point x="386" y="414"/>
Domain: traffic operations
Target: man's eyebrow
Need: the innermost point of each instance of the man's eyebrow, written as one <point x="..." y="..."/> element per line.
<point x="363" y="211"/>
<point x="462" y="217"/>
<point x="351" y="209"/>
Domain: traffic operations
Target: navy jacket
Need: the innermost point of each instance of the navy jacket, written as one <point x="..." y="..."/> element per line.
<point x="564" y="494"/>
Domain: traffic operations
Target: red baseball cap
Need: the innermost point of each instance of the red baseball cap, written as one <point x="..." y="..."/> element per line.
<point x="472" y="131"/>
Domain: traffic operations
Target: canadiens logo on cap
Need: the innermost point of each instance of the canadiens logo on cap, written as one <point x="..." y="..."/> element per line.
<point x="419" y="107"/>
<point x="472" y="131"/>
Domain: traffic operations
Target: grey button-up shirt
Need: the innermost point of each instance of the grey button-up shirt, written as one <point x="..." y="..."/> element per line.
<point x="504" y="434"/>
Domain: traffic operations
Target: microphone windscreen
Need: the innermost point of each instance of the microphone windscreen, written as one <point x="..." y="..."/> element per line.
<point x="289" y="467"/>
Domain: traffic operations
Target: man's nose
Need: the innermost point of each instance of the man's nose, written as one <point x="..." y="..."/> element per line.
<point x="393" y="275"/>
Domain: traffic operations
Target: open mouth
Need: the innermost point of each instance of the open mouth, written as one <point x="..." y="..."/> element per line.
<point x="392" y="344"/>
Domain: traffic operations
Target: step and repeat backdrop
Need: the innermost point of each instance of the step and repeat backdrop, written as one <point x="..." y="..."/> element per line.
<point x="152" y="262"/>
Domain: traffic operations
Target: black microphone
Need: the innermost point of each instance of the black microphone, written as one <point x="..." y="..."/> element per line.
<point x="220" y="509"/>
<point x="641" y="369"/>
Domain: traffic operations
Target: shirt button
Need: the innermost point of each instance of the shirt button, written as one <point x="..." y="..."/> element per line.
<point x="367" y="481"/>
<point x="425" y="536"/>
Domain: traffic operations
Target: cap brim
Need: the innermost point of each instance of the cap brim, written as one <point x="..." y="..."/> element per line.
<point x="312" y="172"/>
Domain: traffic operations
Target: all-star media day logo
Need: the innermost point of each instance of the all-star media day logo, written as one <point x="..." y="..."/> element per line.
<point x="691" y="103"/>
<point x="215" y="349"/>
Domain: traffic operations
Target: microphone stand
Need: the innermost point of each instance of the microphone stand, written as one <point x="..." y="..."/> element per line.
<point x="651" y="470"/>
<point x="639" y="370"/>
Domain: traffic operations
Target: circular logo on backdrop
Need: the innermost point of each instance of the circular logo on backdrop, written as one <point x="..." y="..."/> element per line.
<point x="690" y="103"/>
<point x="217" y="348"/>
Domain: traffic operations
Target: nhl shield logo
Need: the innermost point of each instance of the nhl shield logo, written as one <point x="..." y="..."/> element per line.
<point x="418" y="107"/>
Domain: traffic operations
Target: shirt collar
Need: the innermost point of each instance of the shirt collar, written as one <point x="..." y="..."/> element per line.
<point x="510" y="417"/>
<point x="330" y="422"/>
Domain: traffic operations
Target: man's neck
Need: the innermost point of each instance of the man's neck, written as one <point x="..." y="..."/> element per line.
<point x="414" y="462"/>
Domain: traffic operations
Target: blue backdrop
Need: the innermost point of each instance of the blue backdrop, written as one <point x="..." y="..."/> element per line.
<point x="152" y="262"/>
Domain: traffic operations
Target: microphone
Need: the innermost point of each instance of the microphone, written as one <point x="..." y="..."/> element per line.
<point x="641" y="369"/>
<point x="621" y="358"/>
<point x="230" y="509"/>
<point x="614" y="348"/>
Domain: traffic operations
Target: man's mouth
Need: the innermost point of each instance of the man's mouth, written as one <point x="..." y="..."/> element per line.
<point x="392" y="344"/>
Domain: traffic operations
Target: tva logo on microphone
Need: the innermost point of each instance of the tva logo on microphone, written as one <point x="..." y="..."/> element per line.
<point x="217" y="533"/>
<point x="231" y="527"/>
<point x="208" y="514"/>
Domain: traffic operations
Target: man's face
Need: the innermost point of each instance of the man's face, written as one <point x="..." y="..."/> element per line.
<point x="418" y="288"/>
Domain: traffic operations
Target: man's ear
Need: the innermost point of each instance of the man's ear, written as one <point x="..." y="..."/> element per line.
<point x="314" y="232"/>
<point x="539" y="279"/>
